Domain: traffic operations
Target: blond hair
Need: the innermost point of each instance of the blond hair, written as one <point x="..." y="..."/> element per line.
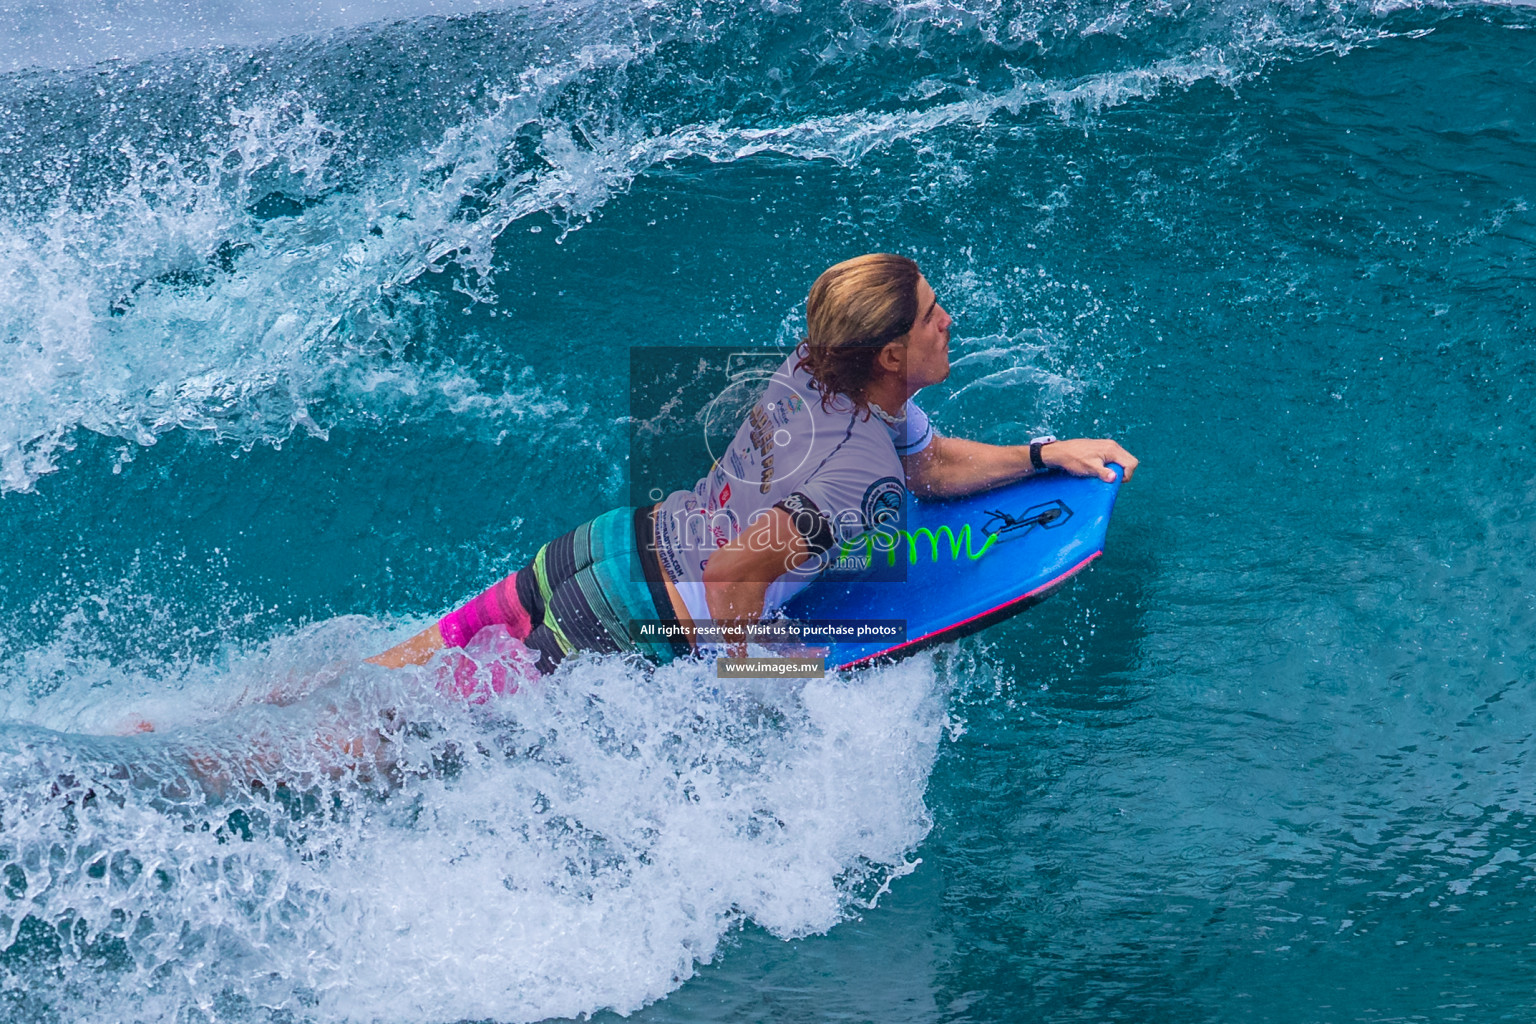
<point x="854" y="310"/>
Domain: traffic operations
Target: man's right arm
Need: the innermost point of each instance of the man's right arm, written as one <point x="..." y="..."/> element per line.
<point x="737" y="576"/>
<point x="953" y="466"/>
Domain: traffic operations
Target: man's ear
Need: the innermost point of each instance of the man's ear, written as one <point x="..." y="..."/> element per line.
<point x="893" y="357"/>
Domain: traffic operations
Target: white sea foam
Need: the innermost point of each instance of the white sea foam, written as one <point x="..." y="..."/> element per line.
<point x="76" y="33"/>
<point x="583" y="844"/>
<point x="121" y="319"/>
<point x="162" y="302"/>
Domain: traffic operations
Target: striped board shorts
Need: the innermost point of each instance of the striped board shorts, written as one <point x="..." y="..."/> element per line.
<point x="584" y="591"/>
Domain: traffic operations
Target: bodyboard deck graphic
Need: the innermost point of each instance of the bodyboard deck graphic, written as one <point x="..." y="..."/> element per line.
<point x="966" y="563"/>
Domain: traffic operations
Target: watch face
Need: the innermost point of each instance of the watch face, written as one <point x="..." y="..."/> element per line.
<point x="1046" y="439"/>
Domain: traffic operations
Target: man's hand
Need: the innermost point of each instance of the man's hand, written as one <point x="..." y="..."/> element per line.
<point x="952" y="466"/>
<point x="1086" y="456"/>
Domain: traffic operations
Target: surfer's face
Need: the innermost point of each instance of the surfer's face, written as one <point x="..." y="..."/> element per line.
<point x="928" y="342"/>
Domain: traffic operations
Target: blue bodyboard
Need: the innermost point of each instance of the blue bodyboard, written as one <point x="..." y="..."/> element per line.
<point x="959" y="565"/>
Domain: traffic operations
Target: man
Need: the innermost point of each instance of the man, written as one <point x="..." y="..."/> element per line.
<point x="818" y="461"/>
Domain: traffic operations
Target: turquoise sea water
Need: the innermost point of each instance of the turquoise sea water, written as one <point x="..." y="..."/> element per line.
<point x="314" y="322"/>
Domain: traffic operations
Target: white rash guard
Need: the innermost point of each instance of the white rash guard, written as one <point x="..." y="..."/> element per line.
<point x="836" y="470"/>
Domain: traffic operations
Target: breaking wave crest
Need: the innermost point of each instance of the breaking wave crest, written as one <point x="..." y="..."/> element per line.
<point x="252" y="242"/>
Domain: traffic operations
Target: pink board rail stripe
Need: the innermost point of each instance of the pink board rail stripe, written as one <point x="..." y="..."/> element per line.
<point x="939" y="633"/>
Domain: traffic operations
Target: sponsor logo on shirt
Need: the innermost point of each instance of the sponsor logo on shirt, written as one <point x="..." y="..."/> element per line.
<point x="719" y="502"/>
<point x="882" y="503"/>
<point x="781" y="412"/>
<point x="666" y="546"/>
<point x="762" y="440"/>
<point x="798" y="502"/>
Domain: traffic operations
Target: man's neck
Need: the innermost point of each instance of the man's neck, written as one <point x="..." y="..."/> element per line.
<point x="889" y="392"/>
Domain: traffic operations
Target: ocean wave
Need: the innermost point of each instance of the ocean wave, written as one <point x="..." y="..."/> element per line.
<point x="476" y="866"/>
<point x="233" y="267"/>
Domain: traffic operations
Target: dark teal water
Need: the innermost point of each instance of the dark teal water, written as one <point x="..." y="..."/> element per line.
<point x="305" y="338"/>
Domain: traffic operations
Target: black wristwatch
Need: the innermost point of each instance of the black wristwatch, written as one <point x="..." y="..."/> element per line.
<point x="1034" y="451"/>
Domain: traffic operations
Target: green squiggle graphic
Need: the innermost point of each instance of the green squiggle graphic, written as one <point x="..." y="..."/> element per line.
<point x="957" y="544"/>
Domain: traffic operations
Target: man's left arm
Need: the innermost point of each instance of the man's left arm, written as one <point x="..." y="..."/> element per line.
<point x="951" y="466"/>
